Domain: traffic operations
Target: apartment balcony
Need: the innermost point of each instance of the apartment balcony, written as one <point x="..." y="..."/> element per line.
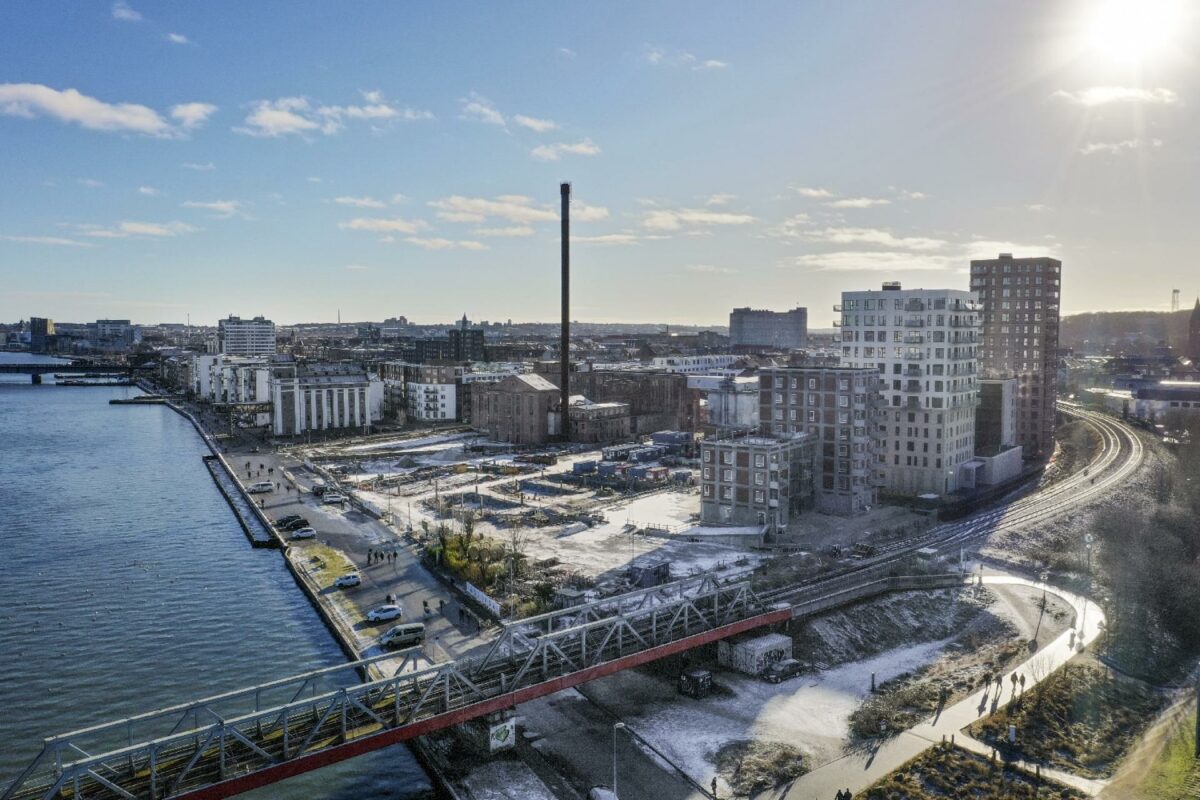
<point x="913" y="386"/>
<point x="914" y="338"/>
<point x="914" y="323"/>
<point x="838" y="308"/>
<point x="913" y="371"/>
<point x="914" y="305"/>
<point x="911" y="403"/>
<point x="914" y="355"/>
<point x="837" y="323"/>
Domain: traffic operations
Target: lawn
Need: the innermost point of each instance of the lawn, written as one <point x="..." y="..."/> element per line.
<point x="950" y="772"/>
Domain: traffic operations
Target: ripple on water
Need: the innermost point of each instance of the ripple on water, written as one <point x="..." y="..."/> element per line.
<point x="128" y="584"/>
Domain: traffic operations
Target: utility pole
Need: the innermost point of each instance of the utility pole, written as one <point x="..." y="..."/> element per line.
<point x="564" y="348"/>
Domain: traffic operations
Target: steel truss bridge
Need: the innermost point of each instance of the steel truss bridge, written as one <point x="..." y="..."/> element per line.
<point x="230" y="743"/>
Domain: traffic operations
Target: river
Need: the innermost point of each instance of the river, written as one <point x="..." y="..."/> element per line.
<point x="129" y="586"/>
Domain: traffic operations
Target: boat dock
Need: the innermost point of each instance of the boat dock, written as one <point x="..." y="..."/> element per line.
<point x="254" y="528"/>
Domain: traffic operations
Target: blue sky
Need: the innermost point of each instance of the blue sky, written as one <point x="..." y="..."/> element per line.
<point x="293" y="159"/>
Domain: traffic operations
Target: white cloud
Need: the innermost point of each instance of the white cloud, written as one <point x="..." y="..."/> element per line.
<point x="709" y="269"/>
<point x="122" y="11"/>
<point x="31" y="100"/>
<point x="607" y="239"/>
<point x="990" y="248"/>
<point x="91" y="183"/>
<point x="667" y="57"/>
<point x="552" y="152"/>
<point x="907" y="195"/>
<point x="57" y="241"/>
<point x="871" y="261"/>
<point x="398" y="198"/>
<point x="479" y="108"/>
<point x="535" y="124"/>
<point x="566" y="52"/>
<point x="178" y="38"/>
<point x="131" y="228"/>
<point x="508" y="231"/>
<point x="445" y="244"/>
<point x="517" y="209"/>
<point x="297" y="115"/>
<point x="380" y="225"/>
<point x="671" y="219"/>
<point x="1103" y="95"/>
<point x="149" y="191"/>
<point x="793" y="227"/>
<point x="582" y="212"/>
<point x="192" y="115"/>
<point x="359" y="202"/>
<point x="859" y="202"/>
<point x="357" y="267"/>
<point x="720" y="199"/>
<point x="874" y="236"/>
<point x="1037" y="207"/>
<point x="196" y="167"/>
<point x="812" y="191"/>
<point x="1114" y="148"/>
<point x="222" y="208"/>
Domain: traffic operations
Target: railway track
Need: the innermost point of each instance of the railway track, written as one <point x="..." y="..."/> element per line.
<point x="1119" y="457"/>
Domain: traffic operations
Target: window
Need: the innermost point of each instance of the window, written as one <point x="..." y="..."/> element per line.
<point x="727" y="475"/>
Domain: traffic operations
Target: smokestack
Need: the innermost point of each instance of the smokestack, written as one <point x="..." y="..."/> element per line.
<point x="564" y="349"/>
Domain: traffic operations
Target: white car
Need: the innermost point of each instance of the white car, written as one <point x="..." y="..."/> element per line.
<point x="348" y="580"/>
<point x="385" y="613"/>
<point x="304" y="533"/>
<point x="333" y="498"/>
<point x="262" y="487"/>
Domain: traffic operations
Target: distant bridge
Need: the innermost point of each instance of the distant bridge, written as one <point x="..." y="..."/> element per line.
<point x="231" y="743"/>
<point x="73" y="368"/>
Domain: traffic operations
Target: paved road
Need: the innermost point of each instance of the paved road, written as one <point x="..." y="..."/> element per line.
<point x="859" y="770"/>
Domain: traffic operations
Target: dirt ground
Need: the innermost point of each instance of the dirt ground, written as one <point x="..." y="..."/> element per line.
<point x="944" y="772"/>
<point x="821" y="531"/>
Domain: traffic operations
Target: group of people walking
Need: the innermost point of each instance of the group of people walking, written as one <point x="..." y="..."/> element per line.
<point x="381" y="556"/>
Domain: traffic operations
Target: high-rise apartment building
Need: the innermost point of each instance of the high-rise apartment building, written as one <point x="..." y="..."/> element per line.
<point x="246" y="337"/>
<point x="41" y="334"/>
<point x="840" y="408"/>
<point x="1194" y="334"/>
<point x="1020" y="303"/>
<point x="759" y="329"/>
<point x="755" y="480"/>
<point x="923" y="345"/>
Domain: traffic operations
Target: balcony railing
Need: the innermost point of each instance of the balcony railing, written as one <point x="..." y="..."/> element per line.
<point x="914" y="323"/>
<point x="914" y="355"/>
<point x="838" y="308"/>
<point x="912" y="386"/>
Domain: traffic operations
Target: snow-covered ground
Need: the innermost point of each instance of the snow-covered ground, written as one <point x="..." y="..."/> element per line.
<point x="413" y="444"/>
<point x="810" y="712"/>
<point x="506" y="780"/>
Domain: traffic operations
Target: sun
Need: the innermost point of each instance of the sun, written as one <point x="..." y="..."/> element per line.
<point x="1133" y="30"/>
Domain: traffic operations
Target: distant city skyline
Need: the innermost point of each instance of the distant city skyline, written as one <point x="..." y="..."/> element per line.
<point x="162" y="161"/>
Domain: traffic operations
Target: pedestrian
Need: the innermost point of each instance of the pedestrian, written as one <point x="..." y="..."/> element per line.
<point x="840" y="795"/>
<point x="847" y="794"/>
<point x="714" y="787"/>
<point x="1022" y="684"/>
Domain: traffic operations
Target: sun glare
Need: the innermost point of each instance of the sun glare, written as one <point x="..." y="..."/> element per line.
<point x="1133" y="30"/>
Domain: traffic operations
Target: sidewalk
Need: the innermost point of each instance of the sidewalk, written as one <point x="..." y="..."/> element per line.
<point x="859" y="770"/>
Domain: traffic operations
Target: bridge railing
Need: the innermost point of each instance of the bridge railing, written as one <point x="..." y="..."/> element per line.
<point x="206" y="747"/>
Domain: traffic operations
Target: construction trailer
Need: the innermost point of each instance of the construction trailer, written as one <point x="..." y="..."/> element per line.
<point x="753" y="655"/>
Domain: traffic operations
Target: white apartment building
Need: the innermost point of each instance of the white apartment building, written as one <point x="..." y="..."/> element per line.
<point x="317" y="397"/>
<point x="431" y="402"/>
<point x="246" y="337"/>
<point x="924" y="344"/>
<point x="708" y="364"/>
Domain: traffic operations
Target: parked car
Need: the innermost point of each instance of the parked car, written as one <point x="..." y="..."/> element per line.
<point x="296" y="524"/>
<point x="333" y="498"/>
<point x="261" y="487"/>
<point x="601" y="793"/>
<point x="348" y="580"/>
<point x="281" y="522"/>
<point x="384" y="613"/>
<point x="408" y="635"/>
<point x="304" y="533"/>
<point x="782" y="670"/>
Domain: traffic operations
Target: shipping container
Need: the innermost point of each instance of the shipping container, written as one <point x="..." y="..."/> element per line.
<point x="583" y="467"/>
<point x="752" y="656"/>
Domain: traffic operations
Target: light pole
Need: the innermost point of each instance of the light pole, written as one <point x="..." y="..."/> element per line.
<point x="617" y="726"/>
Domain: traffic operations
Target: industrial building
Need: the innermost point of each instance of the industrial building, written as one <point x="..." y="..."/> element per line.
<point x="756" y="330"/>
<point x="923" y="343"/>
<point x="520" y="409"/>
<point x="320" y="397"/>
<point x="755" y="480"/>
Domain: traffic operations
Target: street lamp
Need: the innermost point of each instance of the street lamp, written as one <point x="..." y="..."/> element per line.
<point x="617" y="726"/>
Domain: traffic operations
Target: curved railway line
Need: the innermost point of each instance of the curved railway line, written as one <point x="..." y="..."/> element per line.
<point x="1120" y="456"/>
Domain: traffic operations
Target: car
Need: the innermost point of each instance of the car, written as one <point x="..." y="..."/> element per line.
<point x="348" y="580"/>
<point x="284" y="521"/>
<point x="407" y="635"/>
<point x="385" y="613"/>
<point x="333" y="498"/>
<point x="296" y="524"/>
<point x="304" y="533"/>
<point x="782" y="670"/>
<point x="261" y="487"/>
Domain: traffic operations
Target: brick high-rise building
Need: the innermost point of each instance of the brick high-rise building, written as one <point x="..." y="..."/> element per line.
<point x="1020" y="302"/>
<point x="753" y="329"/>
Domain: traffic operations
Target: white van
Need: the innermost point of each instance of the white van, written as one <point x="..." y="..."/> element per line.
<point x="408" y="635"/>
<point x="262" y="487"/>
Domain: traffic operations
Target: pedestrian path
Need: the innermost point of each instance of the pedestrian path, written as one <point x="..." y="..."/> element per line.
<point x="860" y="769"/>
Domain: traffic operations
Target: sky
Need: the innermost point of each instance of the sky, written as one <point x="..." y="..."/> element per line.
<point x="164" y="160"/>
